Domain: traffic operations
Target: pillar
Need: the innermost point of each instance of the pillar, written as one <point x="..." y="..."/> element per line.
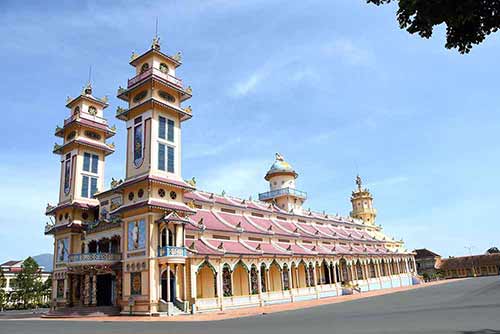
<point x="184" y="294"/>
<point x="168" y="282"/>
<point x="86" y="299"/>
<point x="94" y="289"/>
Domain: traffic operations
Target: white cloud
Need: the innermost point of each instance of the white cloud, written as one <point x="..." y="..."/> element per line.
<point x="350" y="52"/>
<point x="238" y="178"/>
<point x="247" y="85"/>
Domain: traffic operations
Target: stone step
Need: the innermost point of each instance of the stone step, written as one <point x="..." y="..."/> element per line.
<point x="83" y="311"/>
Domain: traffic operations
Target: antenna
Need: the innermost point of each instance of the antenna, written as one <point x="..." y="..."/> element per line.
<point x="90" y="74"/>
<point x="156" y="31"/>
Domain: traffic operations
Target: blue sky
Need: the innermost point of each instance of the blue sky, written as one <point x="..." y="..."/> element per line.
<point x="335" y="86"/>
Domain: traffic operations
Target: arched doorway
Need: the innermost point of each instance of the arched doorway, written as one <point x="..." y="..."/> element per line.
<point x="254" y="279"/>
<point x="168" y="286"/>
<point x="286" y="277"/>
<point x="263" y="270"/>
<point x="206" y="282"/>
<point x="344" y="271"/>
<point x="227" y="287"/>
<point x="274" y="277"/>
<point x="383" y="268"/>
<point x="240" y="280"/>
<point x="326" y="273"/>
<point x="302" y="283"/>
<point x="359" y="271"/>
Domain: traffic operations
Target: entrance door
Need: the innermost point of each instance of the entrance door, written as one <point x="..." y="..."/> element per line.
<point x="165" y="286"/>
<point x="104" y="290"/>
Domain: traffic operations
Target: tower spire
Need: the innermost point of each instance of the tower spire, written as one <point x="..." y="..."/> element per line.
<point x="88" y="87"/>
<point x="156" y="40"/>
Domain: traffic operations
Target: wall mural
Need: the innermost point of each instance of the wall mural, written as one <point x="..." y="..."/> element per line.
<point x="62" y="250"/>
<point x="135" y="283"/>
<point x="136" y="235"/>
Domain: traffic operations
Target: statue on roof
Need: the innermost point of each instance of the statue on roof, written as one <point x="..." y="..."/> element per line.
<point x="279" y="157"/>
<point x="156" y="43"/>
<point x="359" y="182"/>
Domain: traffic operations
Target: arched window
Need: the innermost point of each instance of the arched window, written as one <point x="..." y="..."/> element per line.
<point x="343" y="270"/>
<point x="372" y="270"/>
<point x="263" y="277"/>
<point x="77" y="110"/>
<point x="92" y="110"/>
<point x="311" y="275"/>
<point x="144" y="67"/>
<point x="254" y="280"/>
<point x="226" y="281"/>
<point x="326" y="273"/>
<point x="384" y="269"/>
<point x="359" y="271"/>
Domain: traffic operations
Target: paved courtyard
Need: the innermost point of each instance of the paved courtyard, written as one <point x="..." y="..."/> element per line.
<point x="469" y="306"/>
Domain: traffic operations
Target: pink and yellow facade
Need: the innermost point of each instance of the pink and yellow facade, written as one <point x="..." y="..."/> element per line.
<point x="153" y="244"/>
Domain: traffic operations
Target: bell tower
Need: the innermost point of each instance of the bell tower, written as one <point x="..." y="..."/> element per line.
<point x="362" y="203"/>
<point x="281" y="177"/>
<point x="154" y="115"/>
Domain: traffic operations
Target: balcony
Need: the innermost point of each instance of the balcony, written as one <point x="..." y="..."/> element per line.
<point x="93" y="258"/>
<point x="154" y="71"/>
<point x="282" y="192"/>
<point x="83" y="115"/>
<point x="172" y="251"/>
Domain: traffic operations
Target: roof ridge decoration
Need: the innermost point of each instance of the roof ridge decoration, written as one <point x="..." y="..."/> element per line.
<point x="221" y="246"/>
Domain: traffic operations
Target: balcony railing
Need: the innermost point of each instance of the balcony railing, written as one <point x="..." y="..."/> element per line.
<point x="281" y="192"/>
<point x="154" y="71"/>
<point x="171" y="251"/>
<point x="94" y="257"/>
<point x="83" y="115"/>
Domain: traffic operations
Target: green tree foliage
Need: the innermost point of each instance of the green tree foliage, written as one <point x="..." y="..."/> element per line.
<point x="468" y="22"/>
<point x="3" y="294"/>
<point x="29" y="283"/>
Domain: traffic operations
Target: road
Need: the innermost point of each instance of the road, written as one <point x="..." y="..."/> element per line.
<point x="469" y="306"/>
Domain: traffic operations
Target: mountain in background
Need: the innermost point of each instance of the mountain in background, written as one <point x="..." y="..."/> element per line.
<point x="44" y="260"/>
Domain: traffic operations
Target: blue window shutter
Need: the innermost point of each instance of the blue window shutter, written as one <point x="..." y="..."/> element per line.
<point x="95" y="160"/>
<point x="161" y="157"/>
<point x="170" y="130"/>
<point x="85" y="186"/>
<point x="86" y="162"/>
<point x="161" y="128"/>
<point x="170" y="167"/>
<point x="93" y="186"/>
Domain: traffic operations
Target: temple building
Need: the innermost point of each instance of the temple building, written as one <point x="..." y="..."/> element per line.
<point x="154" y="244"/>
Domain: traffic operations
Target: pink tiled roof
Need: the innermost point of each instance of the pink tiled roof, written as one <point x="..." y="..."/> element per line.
<point x="295" y="249"/>
<point x="210" y="221"/>
<point x="266" y="248"/>
<point x="235" y="219"/>
<point x="231" y="246"/>
<point x="286" y="226"/>
<point x="201" y="248"/>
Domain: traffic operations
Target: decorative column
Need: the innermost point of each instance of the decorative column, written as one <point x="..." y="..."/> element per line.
<point x="168" y="282"/>
<point x="259" y="285"/>
<point x="86" y="291"/>
<point x="94" y="289"/>
<point x="184" y="288"/>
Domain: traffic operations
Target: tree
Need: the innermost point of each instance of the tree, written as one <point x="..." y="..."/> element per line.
<point x="468" y="22"/>
<point x="3" y="293"/>
<point x="28" y="282"/>
<point x="492" y="250"/>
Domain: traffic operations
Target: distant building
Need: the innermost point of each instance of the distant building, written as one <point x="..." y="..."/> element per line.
<point x="12" y="268"/>
<point x="426" y="261"/>
<point x="470" y="266"/>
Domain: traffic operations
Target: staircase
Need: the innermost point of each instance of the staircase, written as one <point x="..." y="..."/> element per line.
<point x="83" y="311"/>
<point x="171" y="309"/>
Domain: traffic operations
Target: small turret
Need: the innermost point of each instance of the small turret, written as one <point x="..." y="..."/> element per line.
<point x="281" y="177"/>
<point x="362" y="204"/>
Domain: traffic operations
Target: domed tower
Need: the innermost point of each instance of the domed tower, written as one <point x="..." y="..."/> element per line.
<point x="282" y="192"/>
<point x="362" y="204"/>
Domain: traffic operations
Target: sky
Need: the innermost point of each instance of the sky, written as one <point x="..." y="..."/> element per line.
<point x="334" y="86"/>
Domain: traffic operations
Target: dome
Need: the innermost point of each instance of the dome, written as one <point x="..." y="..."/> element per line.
<point x="280" y="166"/>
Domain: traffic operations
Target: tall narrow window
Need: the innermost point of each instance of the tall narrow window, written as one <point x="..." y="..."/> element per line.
<point x="138" y="142"/>
<point x="86" y="162"/>
<point x="67" y="174"/>
<point x="93" y="186"/>
<point x="162" y="127"/>
<point x="170" y="166"/>
<point x="161" y="156"/>
<point x="170" y="132"/>
<point x="95" y="160"/>
<point x="85" y="186"/>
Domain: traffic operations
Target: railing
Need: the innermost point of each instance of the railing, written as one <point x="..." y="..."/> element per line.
<point x="280" y="192"/>
<point x="165" y="76"/>
<point x="171" y="251"/>
<point x="92" y="257"/>
<point x="83" y="115"/>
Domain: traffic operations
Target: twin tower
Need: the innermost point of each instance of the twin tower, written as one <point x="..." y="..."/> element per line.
<point x="153" y="121"/>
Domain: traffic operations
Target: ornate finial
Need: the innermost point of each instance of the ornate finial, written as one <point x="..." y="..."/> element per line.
<point x="113" y="128"/>
<point x="189" y="90"/>
<point x="121" y="90"/>
<point x="191" y="204"/>
<point x="119" y="111"/>
<point x="58" y="128"/>
<point x="178" y="57"/>
<point x="69" y="99"/>
<point x="188" y="110"/>
<point x="133" y="56"/>
<point x="56" y="146"/>
<point x="250" y="198"/>
<point x="111" y="146"/>
<point x="88" y="89"/>
<point x="223" y="193"/>
<point x="105" y="99"/>
<point x="156" y="43"/>
<point x="279" y="157"/>
<point x="359" y="182"/>
<point x="192" y="181"/>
